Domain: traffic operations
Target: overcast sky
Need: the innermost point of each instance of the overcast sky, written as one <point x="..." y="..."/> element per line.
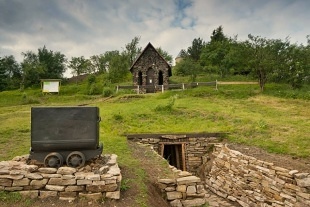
<point x="91" y="27"/>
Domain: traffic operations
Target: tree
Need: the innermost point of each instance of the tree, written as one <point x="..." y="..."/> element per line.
<point x="165" y="55"/>
<point x="132" y="50"/>
<point x="195" y="50"/>
<point x="32" y="71"/>
<point x="188" y="67"/>
<point x="79" y="65"/>
<point x="44" y="64"/>
<point x="54" y="63"/>
<point x="218" y="35"/>
<point x="262" y="54"/>
<point x="98" y="63"/>
<point x="118" y="68"/>
<point x="217" y="53"/>
<point x="10" y="73"/>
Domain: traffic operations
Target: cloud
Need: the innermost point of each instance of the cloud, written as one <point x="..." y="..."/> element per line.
<point x="85" y="28"/>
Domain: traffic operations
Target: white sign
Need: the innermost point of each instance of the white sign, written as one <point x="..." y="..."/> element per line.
<point x="51" y="87"/>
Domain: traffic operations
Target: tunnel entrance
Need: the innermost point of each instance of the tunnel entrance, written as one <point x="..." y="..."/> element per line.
<point x="174" y="154"/>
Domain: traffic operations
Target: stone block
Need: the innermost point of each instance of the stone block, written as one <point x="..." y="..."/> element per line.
<point x="169" y="189"/>
<point x="195" y="195"/>
<point x="66" y="170"/>
<point x="114" y="170"/>
<point x="91" y="196"/>
<point x="102" y="188"/>
<point x="176" y="203"/>
<point x="188" y="180"/>
<point x="17" y="188"/>
<point x="112" y="160"/>
<point x="304" y="195"/>
<point x="67" y="194"/>
<point x="191" y="189"/>
<point x="174" y="195"/>
<point x="69" y="199"/>
<point x="98" y="182"/>
<point x="103" y="170"/>
<point x="47" y="170"/>
<point x="75" y="188"/>
<point x="113" y="195"/>
<point x="30" y="193"/>
<point x="60" y="181"/>
<point x="84" y="182"/>
<point x="5" y="182"/>
<point x="167" y="181"/>
<point x="181" y="188"/>
<point x="47" y="194"/>
<point x="13" y="177"/>
<point x="38" y="182"/>
<point x="55" y="187"/>
<point x="293" y="172"/>
<point x="305" y="182"/>
<point x="34" y="176"/>
<point x="51" y="175"/>
<point x="193" y="202"/>
<point x="92" y="177"/>
<point x="33" y="187"/>
<point x="301" y="175"/>
<point x="68" y="177"/>
<point x="21" y="182"/>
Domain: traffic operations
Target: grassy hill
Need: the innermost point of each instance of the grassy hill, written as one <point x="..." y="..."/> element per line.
<point x="277" y="120"/>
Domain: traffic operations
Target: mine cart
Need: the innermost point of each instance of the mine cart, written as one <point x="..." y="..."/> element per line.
<point x="64" y="135"/>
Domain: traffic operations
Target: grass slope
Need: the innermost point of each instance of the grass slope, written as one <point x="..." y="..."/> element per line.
<point x="266" y="120"/>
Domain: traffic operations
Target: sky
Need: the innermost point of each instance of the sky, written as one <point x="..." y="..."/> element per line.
<point x="91" y="27"/>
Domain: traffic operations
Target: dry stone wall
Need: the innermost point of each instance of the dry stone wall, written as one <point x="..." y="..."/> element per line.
<point x="94" y="181"/>
<point x="195" y="146"/>
<point x="183" y="191"/>
<point x="252" y="182"/>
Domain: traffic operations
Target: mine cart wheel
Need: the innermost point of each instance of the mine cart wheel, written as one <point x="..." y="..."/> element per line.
<point x="53" y="159"/>
<point x="76" y="159"/>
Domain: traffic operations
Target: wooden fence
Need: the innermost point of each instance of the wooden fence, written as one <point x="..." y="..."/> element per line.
<point x="180" y="86"/>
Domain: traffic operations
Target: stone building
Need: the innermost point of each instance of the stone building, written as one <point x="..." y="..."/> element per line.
<point x="150" y="70"/>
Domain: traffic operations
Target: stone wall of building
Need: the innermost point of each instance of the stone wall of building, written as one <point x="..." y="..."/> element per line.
<point x="94" y="181"/>
<point x="252" y="182"/>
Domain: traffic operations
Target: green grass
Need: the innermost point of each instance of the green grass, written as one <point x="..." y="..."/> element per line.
<point x="276" y="121"/>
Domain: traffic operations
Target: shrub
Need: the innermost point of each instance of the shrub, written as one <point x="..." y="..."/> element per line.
<point x="107" y="91"/>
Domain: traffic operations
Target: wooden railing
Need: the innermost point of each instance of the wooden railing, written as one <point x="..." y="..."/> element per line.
<point x="180" y="86"/>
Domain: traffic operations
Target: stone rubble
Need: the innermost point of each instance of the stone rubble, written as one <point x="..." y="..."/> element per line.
<point x="67" y="183"/>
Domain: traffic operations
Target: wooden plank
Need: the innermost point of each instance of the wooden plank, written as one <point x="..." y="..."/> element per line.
<point x="183" y="158"/>
<point x="177" y="156"/>
<point x="236" y="83"/>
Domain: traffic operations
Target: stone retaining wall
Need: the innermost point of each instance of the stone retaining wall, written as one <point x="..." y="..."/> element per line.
<point x="184" y="191"/>
<point x="252" y="182"/>
<point x="93" y="181"/>
<point x="194" y="146"/>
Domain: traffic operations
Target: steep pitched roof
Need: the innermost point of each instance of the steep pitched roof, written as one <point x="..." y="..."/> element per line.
<point x="147" y="46"/>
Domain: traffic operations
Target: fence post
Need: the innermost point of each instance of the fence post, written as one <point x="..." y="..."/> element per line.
<point x="215" y="84"/>
<point x="162" y="88"/>
<point x="183" y="87"/>
<point x="117" y="89"/>
<point x="138" y="89"/>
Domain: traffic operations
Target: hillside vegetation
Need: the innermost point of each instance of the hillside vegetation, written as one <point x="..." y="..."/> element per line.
<point x="277" y="120"/>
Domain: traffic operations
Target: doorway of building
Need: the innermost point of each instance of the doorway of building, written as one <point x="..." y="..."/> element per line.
<point x="160" y="78"/>
<point x="140" y="78"/>
<point x="174" y="154"/>
<point x="150" y="81"/>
